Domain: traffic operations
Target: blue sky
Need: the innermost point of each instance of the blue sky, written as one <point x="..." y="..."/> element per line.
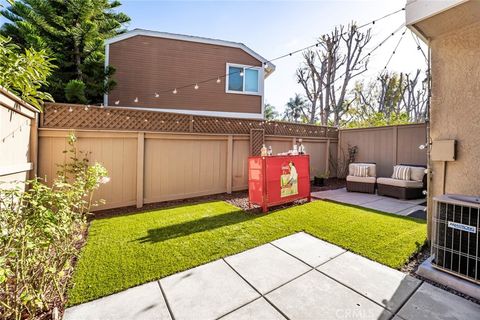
<point x="273" y="28"/>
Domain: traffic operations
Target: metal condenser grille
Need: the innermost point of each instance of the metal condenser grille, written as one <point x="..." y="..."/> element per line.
<point x="455" y="245"/>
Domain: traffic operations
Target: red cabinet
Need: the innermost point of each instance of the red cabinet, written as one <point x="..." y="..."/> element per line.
<point x="274" y="180"/>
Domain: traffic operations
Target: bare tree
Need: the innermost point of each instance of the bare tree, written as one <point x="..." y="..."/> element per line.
<point x="327" y="71"/>
<point x="392" y="98"/>
<point x="415" y="98"/>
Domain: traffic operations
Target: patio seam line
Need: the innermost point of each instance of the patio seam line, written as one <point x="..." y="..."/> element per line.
<point x="166" y="301"/>
<point x="408" y="299"/>
<point x="357" y="292"/>
<point x="313" y="267"/>
<point x="261" y="295"/>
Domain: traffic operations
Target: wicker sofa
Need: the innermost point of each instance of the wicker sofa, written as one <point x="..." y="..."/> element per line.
<point x="404" y="189"/>
<point x="362" y="184"/>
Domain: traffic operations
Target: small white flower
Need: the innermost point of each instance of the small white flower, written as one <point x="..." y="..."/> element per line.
<point x="104" y="180"/>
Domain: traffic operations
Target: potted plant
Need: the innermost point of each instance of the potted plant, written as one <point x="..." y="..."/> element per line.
<point x="319" y="179"/>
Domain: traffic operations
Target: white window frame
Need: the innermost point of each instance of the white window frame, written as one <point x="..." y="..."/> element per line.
<point x="260" y="79"/>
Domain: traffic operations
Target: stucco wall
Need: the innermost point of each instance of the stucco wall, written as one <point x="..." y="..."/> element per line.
<point x="455" y="108"/>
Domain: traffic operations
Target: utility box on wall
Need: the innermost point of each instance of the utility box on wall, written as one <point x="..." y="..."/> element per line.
<point x="443" y="150"/>
<point x="274" y="180"/>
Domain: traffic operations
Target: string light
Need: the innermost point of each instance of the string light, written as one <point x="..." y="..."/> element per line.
<point x="86" y="108"/>
<point x="157" y="95"/>
<point x="70" y="109"/>
<point x="54" y="110"/>
<point x="265" y="64"/>
<point x="117" y="102"/>
<point x="136" y="100"/>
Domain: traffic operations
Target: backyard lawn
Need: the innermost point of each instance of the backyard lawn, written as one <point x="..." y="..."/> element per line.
<point x="128" y="250"/>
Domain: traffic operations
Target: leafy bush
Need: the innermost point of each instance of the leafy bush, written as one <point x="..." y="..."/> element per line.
<point x="41" y="229"/>
<point x="25" y="73"/>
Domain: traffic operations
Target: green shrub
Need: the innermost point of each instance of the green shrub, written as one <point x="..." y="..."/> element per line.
<point x="75" y="91"/>
<point x="41" y="229"/>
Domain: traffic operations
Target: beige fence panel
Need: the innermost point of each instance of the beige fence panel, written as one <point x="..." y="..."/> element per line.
<point x="179" y="167"/>
<point x="241" y="147"/>
<point x="147" y="167"/>
<point x="117" y="151"/>
<point x="386" y="146"/>
<point x="18" y="140"/>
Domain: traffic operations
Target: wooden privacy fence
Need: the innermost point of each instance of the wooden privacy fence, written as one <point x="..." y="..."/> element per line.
<point x="18" y="140"/>
<point x="151" y="165"/>
<point x="386" y="146"/>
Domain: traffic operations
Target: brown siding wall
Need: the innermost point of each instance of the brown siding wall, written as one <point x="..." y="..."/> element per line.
<point x="146" y="65"/>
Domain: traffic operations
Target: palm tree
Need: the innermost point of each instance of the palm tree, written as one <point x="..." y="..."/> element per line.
<point x="295" y="108"/>
<point x="271" y="112"/>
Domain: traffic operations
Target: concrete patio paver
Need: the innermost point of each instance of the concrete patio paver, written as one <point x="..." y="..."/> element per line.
<point x="386" y="286"/>
<point x="344" y="286"/>
<point x="370" y="201"/>
<point x="430" y="302"/>
<point x="258" y="309"/>
<point x="388" y="205"/>
<point x="206" y="292"/>
<point x="316" y="296"/>
<point x="266" y="267"/>
<point x="142" y="302"/>
<point x="408" y="211"/>
<point x="309" y="249"/>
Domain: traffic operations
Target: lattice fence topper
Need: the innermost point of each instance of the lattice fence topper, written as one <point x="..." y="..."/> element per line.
<point x="257" y="139"/>
<point x="71" y="116"/>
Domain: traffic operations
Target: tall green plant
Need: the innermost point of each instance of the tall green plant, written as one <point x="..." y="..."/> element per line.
<point x="40" y="232"/>
<point x="73" y="32"/>
<point x="25" y="73"/>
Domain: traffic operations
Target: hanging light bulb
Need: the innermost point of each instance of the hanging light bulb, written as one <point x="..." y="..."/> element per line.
<point x="101" y="105"/>
<point x="218" y="80"/>
<point x="55" y="110"/>
<point x="241" y="73"/>
<point x="174" y="91"/>
<point x="86" y="108"/>
<point x="136" y="100"/>
<point x="157" y="95"/>
<point x="117" y="102"/>
<point x="70" y="109"/>
<point x="196" y="86"/>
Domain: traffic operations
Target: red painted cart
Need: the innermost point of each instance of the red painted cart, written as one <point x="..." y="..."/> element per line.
<point x="275" y="180"/>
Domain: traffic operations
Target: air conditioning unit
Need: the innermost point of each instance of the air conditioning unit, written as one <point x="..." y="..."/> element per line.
<point x="455" y="236"/>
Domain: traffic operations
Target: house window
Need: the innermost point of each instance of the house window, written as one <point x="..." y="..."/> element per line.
<point x="243" y="79"/>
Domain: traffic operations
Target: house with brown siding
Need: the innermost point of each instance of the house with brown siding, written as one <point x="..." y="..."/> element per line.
<point x="186" y="74"/>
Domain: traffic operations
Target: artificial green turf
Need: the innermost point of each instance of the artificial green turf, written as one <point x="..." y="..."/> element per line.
<point x="128" y="250"/>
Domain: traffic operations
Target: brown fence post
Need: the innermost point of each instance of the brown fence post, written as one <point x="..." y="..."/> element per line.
<point x="140" y="167"/>
<point x="327" y="156"/>
<point x="229" y="163"/>
<point x="395" y="145"/>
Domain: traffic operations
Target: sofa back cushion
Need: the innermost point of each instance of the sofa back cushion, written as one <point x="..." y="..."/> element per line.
<point x="401" y="172"/>
<point x="372" y="172"/>
<point x="417" y="173"/>
<point x="360" y="171"/>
